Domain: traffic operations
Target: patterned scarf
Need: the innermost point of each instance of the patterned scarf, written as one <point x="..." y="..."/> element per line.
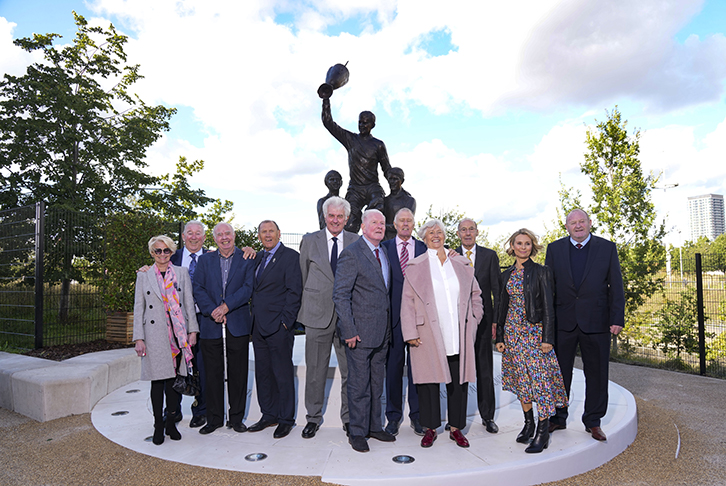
<point x="174" y="316"/>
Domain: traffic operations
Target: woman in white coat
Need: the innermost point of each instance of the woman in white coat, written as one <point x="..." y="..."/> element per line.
<point x="440" y="310"/>
<point x="165" y="329"/>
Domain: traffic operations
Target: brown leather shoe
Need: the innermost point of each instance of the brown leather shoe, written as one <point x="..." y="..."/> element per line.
<point x="459" y="438"/>
<point x="554" y="427"/>
<point x="429" y="438"/>
<point x="596" y="433"/>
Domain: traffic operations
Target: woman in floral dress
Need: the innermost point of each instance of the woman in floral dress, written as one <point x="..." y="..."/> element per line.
<point x="525" y="337"/>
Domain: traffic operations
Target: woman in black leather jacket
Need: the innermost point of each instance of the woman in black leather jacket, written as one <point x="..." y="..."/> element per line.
<point x="525" y="337"/>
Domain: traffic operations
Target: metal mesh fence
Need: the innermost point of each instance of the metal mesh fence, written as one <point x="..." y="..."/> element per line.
<point x="664" y="331"/>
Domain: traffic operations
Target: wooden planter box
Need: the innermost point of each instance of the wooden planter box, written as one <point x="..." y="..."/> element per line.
<point x="120" y="327"/>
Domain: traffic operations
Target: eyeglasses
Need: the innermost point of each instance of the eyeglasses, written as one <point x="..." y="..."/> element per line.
<point x="159" y="251"/>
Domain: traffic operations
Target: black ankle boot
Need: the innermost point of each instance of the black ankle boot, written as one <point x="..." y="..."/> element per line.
<point x="158" y="437"/>
<point x="171" y="429"/>
<point x="528" y="429"/>
<point x="541" y="438"/>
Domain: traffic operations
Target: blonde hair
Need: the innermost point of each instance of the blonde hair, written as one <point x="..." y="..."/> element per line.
<point x="164" y="239"/>
<point x="536" y="247"/>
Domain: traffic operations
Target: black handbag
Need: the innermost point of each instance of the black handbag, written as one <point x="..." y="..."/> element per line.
<point x="188" y="385"/>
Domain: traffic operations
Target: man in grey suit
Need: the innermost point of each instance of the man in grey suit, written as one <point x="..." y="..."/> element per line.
<point x="319" y="253"/>
<point x="361" y="301"/>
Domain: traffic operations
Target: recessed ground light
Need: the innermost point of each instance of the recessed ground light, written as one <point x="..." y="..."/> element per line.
<point x="122" y="412"/>
<point x="403" y="459"/>
<point x="257" y="456"/>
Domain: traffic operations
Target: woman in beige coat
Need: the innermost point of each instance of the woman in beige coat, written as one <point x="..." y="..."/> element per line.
<point x="440" y="309"/>
<point x="165" y="329"/>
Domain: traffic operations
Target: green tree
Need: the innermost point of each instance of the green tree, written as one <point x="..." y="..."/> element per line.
<point x="676" y="331"/>
<point x="622" y="206"/>
<point x="175" y="200"/>
<point x="72" y="134"/>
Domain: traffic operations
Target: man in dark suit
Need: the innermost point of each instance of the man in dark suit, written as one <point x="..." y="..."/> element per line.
<point x="486" y="271"/>
<point x="193" y="236"/>
<point x="399" y="250"/>
<point x="589" y="306"/>
<point x="275" y="304"/>
<point x="361" y="301"/>
<point x="319" y="253"/>
<point x="222" y="290"/>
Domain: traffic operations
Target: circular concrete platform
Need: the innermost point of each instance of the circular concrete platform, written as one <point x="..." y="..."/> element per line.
<point x="494" y="458"/>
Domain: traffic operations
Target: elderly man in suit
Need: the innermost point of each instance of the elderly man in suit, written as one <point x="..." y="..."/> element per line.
<point x="486" y="271"/>
<point x="275" y="304"/>
<point x="361" y="301"/>
<point x="222" y="290"/>
<point x="589" y="306"/>
<point x="193" y="237"/>
<point x="399" y="250"/>
<point x="319" y="253"/>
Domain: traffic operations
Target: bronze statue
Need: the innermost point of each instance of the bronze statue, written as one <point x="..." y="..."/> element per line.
<point x="365" y="153"/>
<point x="333" y="181"/>
<point x="398" y="198"/>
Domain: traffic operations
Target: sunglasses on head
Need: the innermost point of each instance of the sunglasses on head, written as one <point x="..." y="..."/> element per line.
<point x="165" y="251"/>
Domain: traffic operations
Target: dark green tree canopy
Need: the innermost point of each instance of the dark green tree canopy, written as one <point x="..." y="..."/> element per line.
<point x="71" y="132"/>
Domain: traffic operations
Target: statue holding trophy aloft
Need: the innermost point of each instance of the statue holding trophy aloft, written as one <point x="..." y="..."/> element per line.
<point x="365" y="152"/>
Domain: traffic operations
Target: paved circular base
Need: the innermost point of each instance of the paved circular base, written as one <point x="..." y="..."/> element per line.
<point x="494" y="458"/>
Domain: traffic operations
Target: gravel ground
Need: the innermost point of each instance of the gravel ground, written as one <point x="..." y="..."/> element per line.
<point x="69" y="451"/>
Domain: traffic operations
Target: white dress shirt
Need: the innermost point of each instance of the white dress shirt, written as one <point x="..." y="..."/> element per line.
<point x="446" y="296"/>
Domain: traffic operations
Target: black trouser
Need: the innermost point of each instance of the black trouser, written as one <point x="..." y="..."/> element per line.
<point x="429" y="399"/>
<point x="595" y="351"/>
<point x="158" y="387"/>
<point x="484" y="371"/>
<point x="237" y="368"/>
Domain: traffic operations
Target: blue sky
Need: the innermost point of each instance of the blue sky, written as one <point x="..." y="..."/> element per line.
<point x="484" y="104"/>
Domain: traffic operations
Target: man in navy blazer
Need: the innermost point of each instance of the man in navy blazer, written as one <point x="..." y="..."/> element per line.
<point x="222" y="290"/>
<point x="275" y="305"/>
<point x="193" y="236"/>
<point x="408" y="248"/>
<point x="360" y="294"/>
<point x="486" y="271"/>
<point x="589" y="306"/>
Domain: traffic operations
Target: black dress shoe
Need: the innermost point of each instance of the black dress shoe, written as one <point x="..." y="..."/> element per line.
<point x="392" y="428"/>
<point x="492" y="427"/>
<point x="209" y="428"/>
<point x="261" y="425"/>
<point x="381" y="435"/>
<point x="197" y="421"/>
<point x="281" y="431"/>
<point x="358" y="444"/>
<point x="554" y="427"/>
<point x="309" y="431"/>
<point x="240" y="427"/>
<point x="346" y="427"/>
<point x="417" y="428"/>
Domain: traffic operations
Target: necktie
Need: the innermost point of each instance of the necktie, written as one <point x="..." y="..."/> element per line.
<point x="468" y="255"/>
<point x="578" y="246"/>
<point x="263" y="264"/>
<point x="404" y="257"/>
<point x="378" y="257"/>
<point x="334" y="255"/>
<point x="192" y="266"/>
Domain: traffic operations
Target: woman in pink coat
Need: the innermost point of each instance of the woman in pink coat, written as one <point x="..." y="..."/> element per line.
<point x="440" y="309"/>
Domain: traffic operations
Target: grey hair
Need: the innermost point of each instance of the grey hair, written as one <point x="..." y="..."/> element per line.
<point x="395" y="218"/>
<point x="164" y="239"/>
<point x="336" y="202"/>
<point x="194" y="221"/>
<point x="428" y="225"/>
<point x="214" y="231"/>
<point x="370" y="212"/>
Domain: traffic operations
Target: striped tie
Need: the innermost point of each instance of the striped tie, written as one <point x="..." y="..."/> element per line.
<point x="404" y="257"/>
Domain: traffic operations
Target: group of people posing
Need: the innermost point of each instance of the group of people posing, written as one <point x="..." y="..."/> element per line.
<point x="379" y="304"/>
